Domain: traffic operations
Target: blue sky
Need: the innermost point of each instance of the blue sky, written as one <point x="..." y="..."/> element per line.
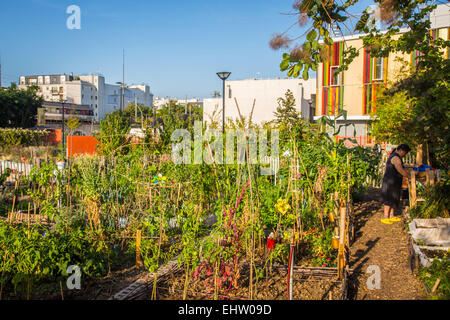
<point x="174" y="46"/>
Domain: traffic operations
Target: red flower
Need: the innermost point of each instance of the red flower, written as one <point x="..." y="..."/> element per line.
<point x="270" y="243"/>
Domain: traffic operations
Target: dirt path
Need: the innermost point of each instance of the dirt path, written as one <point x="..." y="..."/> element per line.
<point x="384" y="246"/>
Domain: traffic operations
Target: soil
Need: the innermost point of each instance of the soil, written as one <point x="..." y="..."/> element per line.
<point x="273" y="287"/>
<point x="439" y="254"/>
<point x="91" y="289"/>
<point x="385" y="246"/>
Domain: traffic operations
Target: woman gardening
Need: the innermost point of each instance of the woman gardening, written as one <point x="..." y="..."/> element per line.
<point x="392" y="183"/>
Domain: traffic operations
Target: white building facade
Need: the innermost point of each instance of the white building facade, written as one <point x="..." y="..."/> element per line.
<point x="90" y="90"/>
<point x="159" y="103"/>
<point x="266" y="92"/>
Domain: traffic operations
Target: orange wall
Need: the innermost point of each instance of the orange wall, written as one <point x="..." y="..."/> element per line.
<point x="55" y="137"/>
<point x="81" y="145"/>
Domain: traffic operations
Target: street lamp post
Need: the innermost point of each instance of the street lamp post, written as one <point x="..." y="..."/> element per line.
<point x="223" y="76"/>
<point x="62" y="126"/>
<point x="122" y="95"/>
<point x="311" y="111"/>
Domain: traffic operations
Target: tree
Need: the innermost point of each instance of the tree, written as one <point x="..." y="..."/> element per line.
<point x="286" y="112"/>
<point x="73" y="123"/>
<point x="113" y="135"/>
<point x="18" y="108"/>
<point x="426" y="88"/>
<point x="394" y="119"/>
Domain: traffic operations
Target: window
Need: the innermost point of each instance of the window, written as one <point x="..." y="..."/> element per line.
<point x="335" y="77"/>
<point x="229" y="92"/>
<point x="378" y="68"/>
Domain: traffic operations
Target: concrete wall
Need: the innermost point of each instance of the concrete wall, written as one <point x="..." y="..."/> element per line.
<point x="266" y="93"/>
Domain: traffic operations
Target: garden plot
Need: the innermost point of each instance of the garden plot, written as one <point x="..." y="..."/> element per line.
<point x="274" y="286"/>
<point x="132" y="206"/>
<point x="434" y="232"/>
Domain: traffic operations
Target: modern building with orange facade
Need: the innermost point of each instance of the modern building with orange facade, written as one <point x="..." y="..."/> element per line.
<point x="354" y="90"/>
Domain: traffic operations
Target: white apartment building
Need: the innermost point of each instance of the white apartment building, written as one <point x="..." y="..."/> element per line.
<point x="90" y="90"/>
<point x="266" y="92"/>
<point x="161" y="102"/>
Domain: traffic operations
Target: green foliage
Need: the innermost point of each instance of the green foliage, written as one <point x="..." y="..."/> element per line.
<point x="18" y="108"/>
<point x="21" y="137"/>
<point x="73" y="123"/>
<point x="30" y="256"/>
<point x="322" y="14"/>
<point x="321" y="248"/>
<point x="437" y="202"/>
<point x="5" y="176"/>
<point x="113" y="135"/>
<point x="394" y="119"/>
<point x="286" y="112"/>
<point x="438" y="270"/>
<point x="132" y="187"/>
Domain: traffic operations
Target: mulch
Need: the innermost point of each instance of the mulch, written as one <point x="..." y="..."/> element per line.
<point x="384" y="246"/>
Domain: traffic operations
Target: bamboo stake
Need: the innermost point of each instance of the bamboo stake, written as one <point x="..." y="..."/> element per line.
<point x="251" y="197"/>
<point x="28" y="216"/>
<point x="436" y="285"/>
<point x="12" y="210"/>
<point x="61" y="290"/>
<point x="341" y="242"/>
<point x="138" y="249"/>
<point x="413" y="189"/>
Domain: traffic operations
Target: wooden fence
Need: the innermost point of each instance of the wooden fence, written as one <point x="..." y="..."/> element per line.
<point x="18" y="168"/>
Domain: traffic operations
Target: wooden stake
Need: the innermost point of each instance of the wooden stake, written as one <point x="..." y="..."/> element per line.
<point x="412" y="200"/>
<point x="29" y="204"/>
<point x="341" y="262"/>
<point x="430" y="177"/>
<point x="436" y="285"/>
<point x="12" y="209"/>
<point x="61" y="289"/>
<point x="138" y="249"/>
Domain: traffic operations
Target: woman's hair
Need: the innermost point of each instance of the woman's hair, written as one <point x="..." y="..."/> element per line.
<point x="403" y="147"/>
